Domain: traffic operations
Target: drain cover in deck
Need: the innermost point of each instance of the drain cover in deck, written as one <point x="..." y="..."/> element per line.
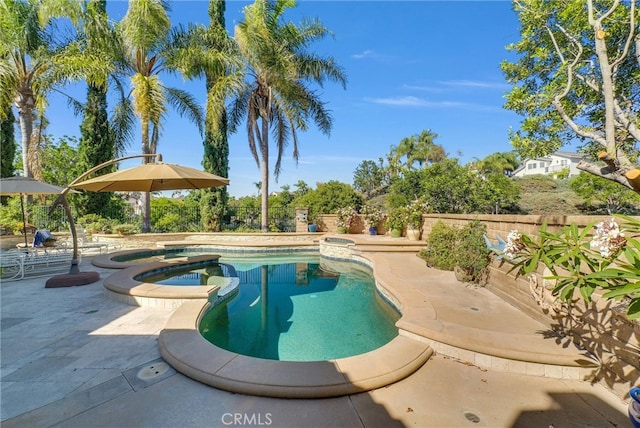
<point x="148" y="373"/>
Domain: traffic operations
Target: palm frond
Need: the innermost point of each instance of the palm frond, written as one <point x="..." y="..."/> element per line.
<point x="186" y="105"/>
<point x="123" y="122"/>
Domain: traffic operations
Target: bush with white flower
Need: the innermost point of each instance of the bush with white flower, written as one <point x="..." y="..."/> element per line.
<point x="583" y="260"/>
<point x="345" y="216"/>
<point x="608" y="239"/>
<point x="513" y="245"/>
<point x="371" y="215"/>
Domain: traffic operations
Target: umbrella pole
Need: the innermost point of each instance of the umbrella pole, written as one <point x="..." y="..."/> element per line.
<point x="74" y="277"/>
<point x="24" y="221"/>
<point x="74" y="261"/>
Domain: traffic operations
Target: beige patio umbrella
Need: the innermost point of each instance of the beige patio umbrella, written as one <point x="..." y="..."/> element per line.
<point x="26" y="186"/>
<point x="149" y="177"/>
<point x="152" y="177"/>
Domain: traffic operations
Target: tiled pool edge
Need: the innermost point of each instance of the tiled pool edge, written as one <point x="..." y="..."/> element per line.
<point x="182" y="346"/>
<point x="122" y="286"/>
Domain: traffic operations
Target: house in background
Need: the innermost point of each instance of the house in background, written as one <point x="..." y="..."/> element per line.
<point x="550" y="165"/>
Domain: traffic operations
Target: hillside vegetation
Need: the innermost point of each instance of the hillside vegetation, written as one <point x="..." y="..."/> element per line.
<point x="541" y="194"/>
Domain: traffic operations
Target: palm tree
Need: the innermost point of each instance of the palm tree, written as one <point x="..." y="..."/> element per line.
<point x="418" y="148"/>
<point x="211" y="53"/>
<point x="499" y="163"/>
<point x="277" y="97"/>
<point x="102" y="139"/>
<point x="32" y="64"/>
<point x="146" y="43"/>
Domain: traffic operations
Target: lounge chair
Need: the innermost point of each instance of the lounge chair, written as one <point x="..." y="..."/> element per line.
<point x="86" y="242"/>
<point x="19" y="264"/>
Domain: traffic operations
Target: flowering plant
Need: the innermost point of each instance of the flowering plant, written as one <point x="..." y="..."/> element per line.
<point x="372" y="215"/>
<point x="345" y="216"/>
<point x="580" y="260"/>
<point x="397" y="218"/>
<point x="415" y="213"/>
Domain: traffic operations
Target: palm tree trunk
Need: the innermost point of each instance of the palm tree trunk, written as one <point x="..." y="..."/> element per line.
<point x="264" y="166"/>
<point x="146" y="196"/>
<point x="26" y="128"/>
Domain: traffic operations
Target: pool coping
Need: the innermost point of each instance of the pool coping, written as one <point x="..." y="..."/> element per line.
<point x="184" y="348"/>
<point x="121" y="285"/>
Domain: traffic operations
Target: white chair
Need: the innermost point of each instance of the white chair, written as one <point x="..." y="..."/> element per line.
<point x="19" y="264"/>
<point x="85" y="242"/>
<point x="12" y="265"/>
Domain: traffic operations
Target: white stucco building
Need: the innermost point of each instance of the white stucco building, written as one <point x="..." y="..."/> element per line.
<point x="550" y="165"/>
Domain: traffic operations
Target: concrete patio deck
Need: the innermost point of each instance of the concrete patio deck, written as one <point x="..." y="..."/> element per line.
<point x="73" y="357"/>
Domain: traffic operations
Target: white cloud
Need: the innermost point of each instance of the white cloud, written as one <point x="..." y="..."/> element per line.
<point x="410" y="101"/>
<point x="370" y="54"/>
<point x="475" y="84"/>
<point x="365" y="54"/>
<point x="422" y="88"/>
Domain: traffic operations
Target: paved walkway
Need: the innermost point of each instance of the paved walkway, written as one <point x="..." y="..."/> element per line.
<point x="71" y="357"/>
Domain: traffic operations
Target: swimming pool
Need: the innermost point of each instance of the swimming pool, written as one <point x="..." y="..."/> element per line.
<point x="296" y="311"/>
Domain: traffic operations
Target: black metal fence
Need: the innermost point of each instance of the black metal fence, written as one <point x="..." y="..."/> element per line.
<point x="176" y="218"/>
<point x="243" y="218"/>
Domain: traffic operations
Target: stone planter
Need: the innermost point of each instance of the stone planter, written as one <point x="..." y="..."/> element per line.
<point x="414" y="234"/>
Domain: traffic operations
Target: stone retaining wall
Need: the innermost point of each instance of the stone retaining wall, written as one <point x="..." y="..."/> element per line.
<point x="600" y="328"/>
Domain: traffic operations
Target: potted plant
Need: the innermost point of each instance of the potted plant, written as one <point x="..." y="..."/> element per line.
<point x="397" y="221"/>
<point x="312" y="225"/>
<point x="415" y="219"/>
<point x="344" y="218"/>
<point x="372" y="216"/>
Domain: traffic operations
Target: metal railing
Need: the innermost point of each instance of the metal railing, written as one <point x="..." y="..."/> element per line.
<point x="175" y="218"/>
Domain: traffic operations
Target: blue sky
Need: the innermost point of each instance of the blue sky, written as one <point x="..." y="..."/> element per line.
<point x="410" y="66"/>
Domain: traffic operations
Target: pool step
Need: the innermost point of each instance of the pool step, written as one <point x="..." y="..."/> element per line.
<point x="391" y="246"/>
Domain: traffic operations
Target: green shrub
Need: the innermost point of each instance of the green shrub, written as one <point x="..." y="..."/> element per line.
<point x="246" y="228"/>
<point x="125" y="229"/>
<point x="461" y="249"/>
<point x="472" y="255"/>
<point x="94" y="223"/>
<point x="169" y="223"/>
<point x="441" y="246"/>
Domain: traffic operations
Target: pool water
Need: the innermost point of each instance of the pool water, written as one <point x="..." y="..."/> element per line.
<point x="300" y="312"/>
<point x="187" y="276"/>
